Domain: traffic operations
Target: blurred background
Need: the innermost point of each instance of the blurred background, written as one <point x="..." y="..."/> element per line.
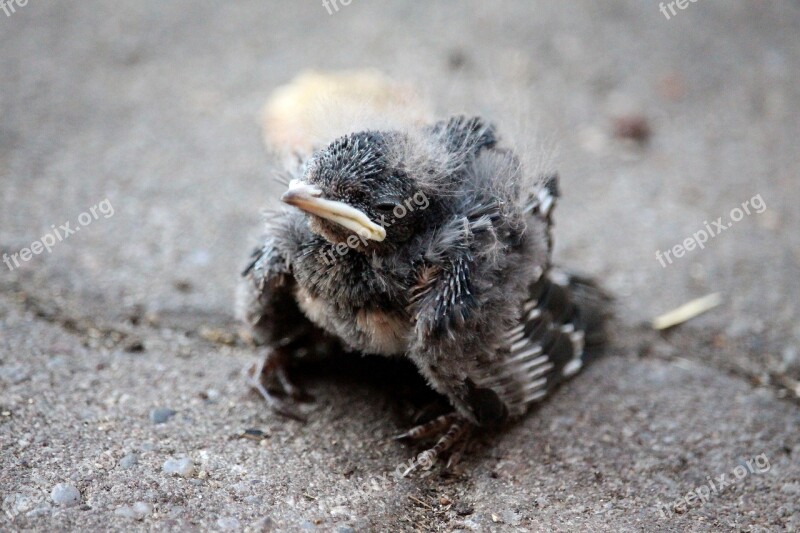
<point x="657" y="124"/>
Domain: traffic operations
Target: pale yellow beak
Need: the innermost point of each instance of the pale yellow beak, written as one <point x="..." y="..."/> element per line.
<point x="308" y="198"/>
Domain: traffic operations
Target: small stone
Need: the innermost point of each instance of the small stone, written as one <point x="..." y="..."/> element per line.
<point x="209" y="396"/>
<point x="183" y="285"/>
<point x="161" y="415"/>
<point x="464" y="509"/>
<point x="134" y="346"/>
<point x="128" y="461"/>
<point x="633" y="127"/>
<point x="137" y="511"/>
<point x="253" y="434"/>
<point x="345" y="529"/>
<point x="181" y="467"/>
<point x="228" y="523"/>
<point x="65" y="495"/>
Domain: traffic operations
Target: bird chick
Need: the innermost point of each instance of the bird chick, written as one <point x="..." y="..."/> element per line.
<point x="433" y="244"/>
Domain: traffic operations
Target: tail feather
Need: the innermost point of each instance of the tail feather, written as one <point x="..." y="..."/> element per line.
<point x="592" y="309"/>
<point x="562" y="324"/>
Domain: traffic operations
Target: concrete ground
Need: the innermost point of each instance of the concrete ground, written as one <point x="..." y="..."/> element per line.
<point x="117" y="352"/>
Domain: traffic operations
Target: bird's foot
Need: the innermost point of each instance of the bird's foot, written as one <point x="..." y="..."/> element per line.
<point x="272" y="368"/>
<point x="453" y="431"/>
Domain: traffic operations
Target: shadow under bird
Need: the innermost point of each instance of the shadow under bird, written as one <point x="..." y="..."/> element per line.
<point x="432" y="244"/>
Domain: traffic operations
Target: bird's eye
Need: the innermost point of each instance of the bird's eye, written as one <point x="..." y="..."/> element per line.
<point x="385" y="206"/>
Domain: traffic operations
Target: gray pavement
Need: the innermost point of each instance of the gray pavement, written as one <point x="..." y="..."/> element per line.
<point x="153" y="108"/>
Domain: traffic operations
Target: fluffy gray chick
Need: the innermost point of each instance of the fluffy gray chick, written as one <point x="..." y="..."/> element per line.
<point x="433" y="245"/>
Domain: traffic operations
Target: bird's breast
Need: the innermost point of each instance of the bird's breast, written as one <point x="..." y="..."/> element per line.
<point x="386" y="332"/>
<point x="357" y="300"/>
<point x="365" y="329"/>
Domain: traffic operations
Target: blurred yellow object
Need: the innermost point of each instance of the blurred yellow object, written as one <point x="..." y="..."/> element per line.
<point x="687" y="311"/>
<point x="316" y="107"/>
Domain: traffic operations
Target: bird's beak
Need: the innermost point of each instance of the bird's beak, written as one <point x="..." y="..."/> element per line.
<point x="309" y="198"/>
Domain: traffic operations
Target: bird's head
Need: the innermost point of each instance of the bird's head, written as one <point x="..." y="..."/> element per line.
<point x="357" y="186"/>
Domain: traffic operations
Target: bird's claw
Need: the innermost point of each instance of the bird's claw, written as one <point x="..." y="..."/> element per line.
<point x="453" y="431"/>
<point x="273" y="365"/>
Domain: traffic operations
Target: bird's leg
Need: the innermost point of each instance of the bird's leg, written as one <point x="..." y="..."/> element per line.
<point x="289" y="387"/>
<point x="429" y="411"/>
<point x="454" y="430"/>
<point x="458" y="449"/>
<point x="273" y="364"/>
<point x="428" y="429"/>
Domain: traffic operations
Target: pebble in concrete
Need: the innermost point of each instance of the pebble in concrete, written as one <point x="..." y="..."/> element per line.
<point x="161" y="415"/>
<point x="128" y="461"/>
<point x="181" y="467"/>
<point x="137" y="511"/>
<point x="65" y="495"/>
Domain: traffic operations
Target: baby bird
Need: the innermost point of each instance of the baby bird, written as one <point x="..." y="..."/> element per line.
<point x="432" y="244"/>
